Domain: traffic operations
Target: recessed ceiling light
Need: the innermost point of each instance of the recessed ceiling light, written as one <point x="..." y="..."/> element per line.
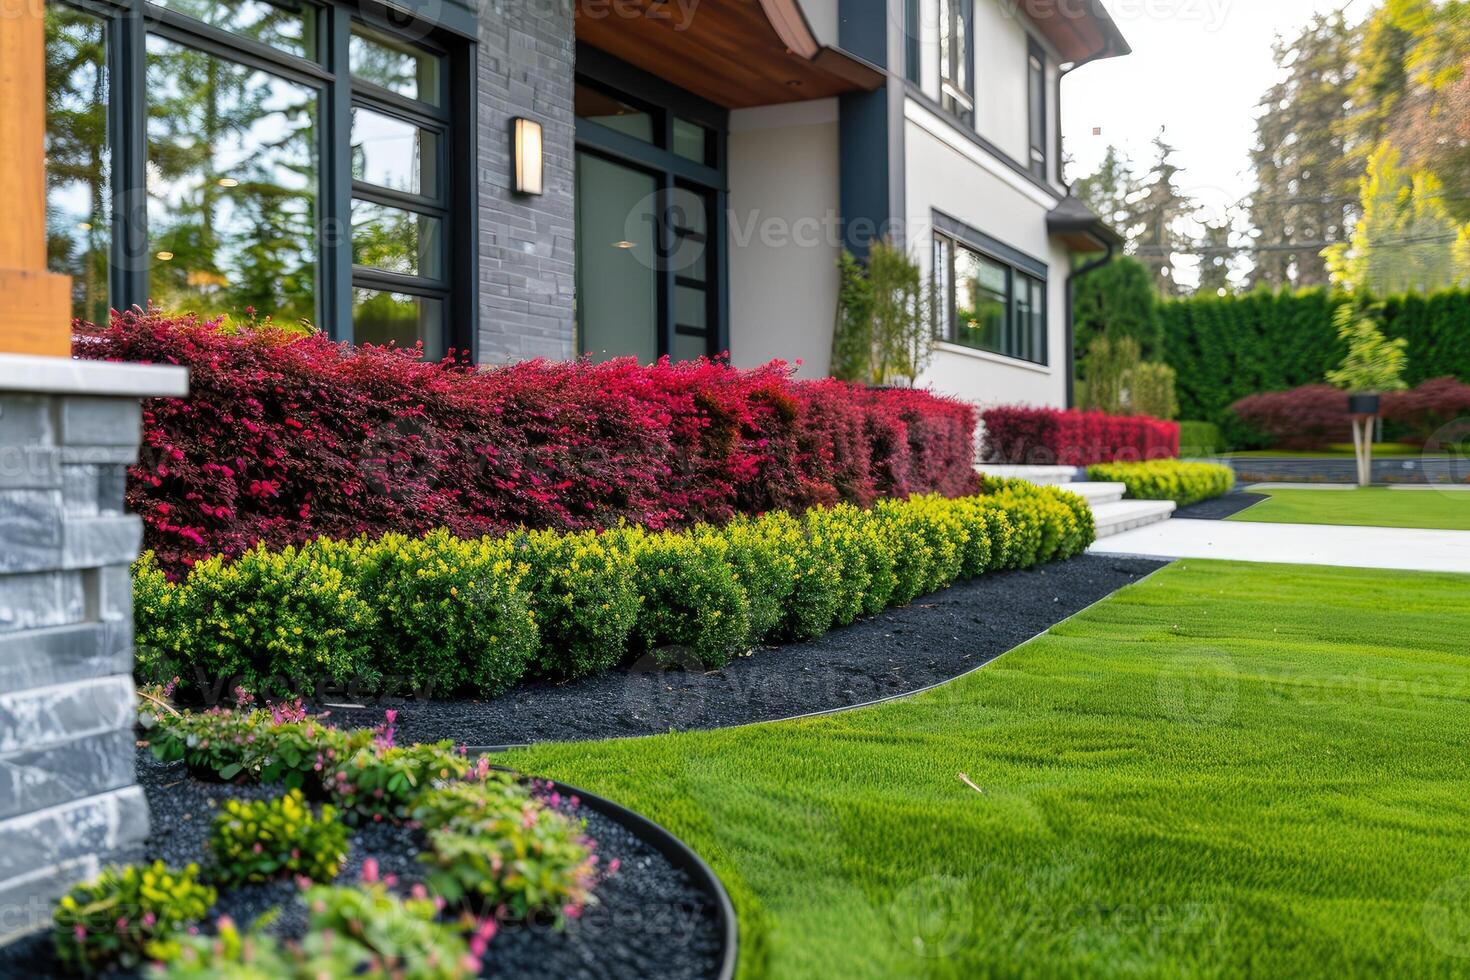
<point x="228" y="182"/>
<point x="624" y="244"/>
<point x="84" y="225"/>
<point x="164" y="256"/>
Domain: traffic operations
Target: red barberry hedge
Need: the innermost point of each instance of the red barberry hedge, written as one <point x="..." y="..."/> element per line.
<point x="1050" y="436"/>
<point x="285" y="438"/>
<point x="1316" y="416"/>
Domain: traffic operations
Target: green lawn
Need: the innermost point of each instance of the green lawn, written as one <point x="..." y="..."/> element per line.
<point x="1340" y="451"/>
<point x="1368" y="506"/>
<point x="1225" y="770"/>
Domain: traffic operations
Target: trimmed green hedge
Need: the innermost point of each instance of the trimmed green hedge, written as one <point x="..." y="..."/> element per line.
<point x="1225" y="348"/>
<point x="442" y="615"/>
<point x="1199" y="439"/>
<point x="1167" y="479"/>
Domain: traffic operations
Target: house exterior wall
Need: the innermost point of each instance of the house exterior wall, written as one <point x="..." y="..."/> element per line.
<point x="784" y="233"/>
<point x="948" y="173"/>
<point x="525" y="67"/>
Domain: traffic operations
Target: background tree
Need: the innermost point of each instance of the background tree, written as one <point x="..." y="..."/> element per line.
<point x="1108" y="189"/>
<point x="1216" y="258"/>
<point x="1306" y="180"/>
<point x="1156" y="217"/>
<point x="1118" y="300"/>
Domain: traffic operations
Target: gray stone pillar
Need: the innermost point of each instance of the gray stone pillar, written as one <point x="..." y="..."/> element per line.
<point x="68" y="796"/>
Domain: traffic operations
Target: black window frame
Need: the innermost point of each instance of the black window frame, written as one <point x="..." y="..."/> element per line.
<point x="129" y="24"/>
<point x="957" y="94"/>
<point x="950" y="235"/>
<point x="675" y="175"/>
<point x="1037" y="116"/>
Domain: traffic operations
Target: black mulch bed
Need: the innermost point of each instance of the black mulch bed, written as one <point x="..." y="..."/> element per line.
<point x="936" y="639"/>
<point x="650" y="920"/>
<point x="1221" y="507"/>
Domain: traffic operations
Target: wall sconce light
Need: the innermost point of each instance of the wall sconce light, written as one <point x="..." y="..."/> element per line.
<point x="528" y="157"/>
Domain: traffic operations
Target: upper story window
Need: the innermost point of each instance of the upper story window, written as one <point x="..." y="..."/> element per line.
<point x="988" y="304"/>
<point x="255" y="158"/>
<point x="956" y="87"/>
<point x="1036" y="98"/>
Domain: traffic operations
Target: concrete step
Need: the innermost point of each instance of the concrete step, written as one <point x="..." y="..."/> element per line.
<point x="1096" y="493"/>
<point x="1125" y="515"/>
<point x="1036" y="474"/>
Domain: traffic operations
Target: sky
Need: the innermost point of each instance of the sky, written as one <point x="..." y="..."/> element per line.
<point x="1198" y="68"/>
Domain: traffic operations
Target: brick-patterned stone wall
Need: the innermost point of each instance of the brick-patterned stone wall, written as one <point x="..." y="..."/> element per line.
<point x="526" y="56"/>
<point x="68" y="799"/>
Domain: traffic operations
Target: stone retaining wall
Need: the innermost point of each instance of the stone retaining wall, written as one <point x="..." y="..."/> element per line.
<point x="68" y="799"/>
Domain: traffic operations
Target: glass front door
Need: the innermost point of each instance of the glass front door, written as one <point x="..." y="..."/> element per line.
<point x="617" y="260"/>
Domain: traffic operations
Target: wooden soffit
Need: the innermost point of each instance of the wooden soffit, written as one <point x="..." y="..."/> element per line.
<point x="1080" y="30"/>
<point x="735" y="53"/>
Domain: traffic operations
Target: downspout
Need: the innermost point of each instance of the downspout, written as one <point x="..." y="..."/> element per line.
<point x="1072" y="278"/>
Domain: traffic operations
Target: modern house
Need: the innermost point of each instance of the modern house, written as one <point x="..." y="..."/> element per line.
<point x="544" y="179"/>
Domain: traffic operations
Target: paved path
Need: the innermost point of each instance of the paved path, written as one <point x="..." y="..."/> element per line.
<point x="1297" y="544"/>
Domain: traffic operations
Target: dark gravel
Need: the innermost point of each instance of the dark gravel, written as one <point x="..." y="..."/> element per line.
<point x="649" y="920"/>
<point x="901" y="650"/>
<point x="1221" y="507"/>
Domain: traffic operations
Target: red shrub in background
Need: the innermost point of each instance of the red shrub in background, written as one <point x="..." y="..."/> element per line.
<point x="1316" y="416"/>
<point x="286" y="438"/>
<point x="1050" y="436"/>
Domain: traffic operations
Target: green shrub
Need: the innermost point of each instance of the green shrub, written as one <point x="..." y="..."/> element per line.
<point x="1167" y="479"/>
<point x="493" y="845"/>
<point x="364" y="932"/>
<point x="584" y="597"/>
<point x="381" y="781"/>
<point x="762" y="552"/>
<point x="261" y="840"/>
<point x="693" y="604"/>
<point x="452" y="611"/>
<point x="1199" y="439"/>
<point x="109" y="922"/>
<point x="273" y="620"/>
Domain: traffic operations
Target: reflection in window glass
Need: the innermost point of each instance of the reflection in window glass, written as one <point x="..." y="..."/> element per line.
<point x="691" y="141"/>
<point x="595" y="105"/>
<point x="392" y="153"/>
<point x="384" y="318"/>
<point x="78" y="164"/>
<point x="617" y="261"/>
<point x="287" y="25"/>
<point x="232" y="186"/>
<point x="981" y="290"/>
<point x="690" y="307"/>
<point x="395" y="240"/>
<point x="943" y="287"/>
<point x="394" y="65"/>
<point x="688" y="348"/>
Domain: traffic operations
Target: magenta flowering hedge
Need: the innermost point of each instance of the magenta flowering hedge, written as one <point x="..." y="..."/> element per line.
<point x="288" y="437"/>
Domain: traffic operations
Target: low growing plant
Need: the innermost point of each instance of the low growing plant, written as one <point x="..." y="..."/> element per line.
<point x="382" y="781"/>
<point x="1183" y="483"/>
<point x="261" y="840"/>
<point x="583" y="593"/>
<point x="110" y="921"/>
<point x="494" y="846"/>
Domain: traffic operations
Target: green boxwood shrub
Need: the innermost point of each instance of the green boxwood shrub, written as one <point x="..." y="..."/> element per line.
<point x="111" y="921"/>
<point x="1167" y="479"/>
<point x="476" y="616"/>
<point x="261" y="840"/>
<point x="1199" y="439"/>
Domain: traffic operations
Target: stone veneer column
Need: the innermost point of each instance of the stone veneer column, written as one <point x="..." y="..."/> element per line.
<point x="68" y="798"/>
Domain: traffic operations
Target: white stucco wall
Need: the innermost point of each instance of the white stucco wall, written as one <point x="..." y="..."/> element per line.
<point x="1001" y="72"/>
<point x="945" y="172"/>
<point x="784" y="234"/>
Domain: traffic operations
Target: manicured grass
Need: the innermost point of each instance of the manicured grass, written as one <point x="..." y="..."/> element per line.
<point x="1225" y="770"/>
<point x="1366" y="507"/>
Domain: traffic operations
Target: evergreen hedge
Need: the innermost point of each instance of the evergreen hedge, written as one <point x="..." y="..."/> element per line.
<point x="1226" y="348"/>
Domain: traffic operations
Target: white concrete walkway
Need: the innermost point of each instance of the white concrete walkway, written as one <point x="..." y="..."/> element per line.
<point x="1297" y="544"/>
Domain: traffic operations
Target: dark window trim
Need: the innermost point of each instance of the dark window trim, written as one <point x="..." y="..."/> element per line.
<point x="912" y="49"/>
<point x="1012" y="164"/>
<point x="1036" y="63"/>
<point x="664" y="102"/>
<point x="129" y="24"/>
<point x="961" y="12"/>
<point x="988" y="245"/>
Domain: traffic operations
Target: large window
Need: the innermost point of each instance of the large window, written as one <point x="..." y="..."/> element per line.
<point x="254" y="158"/>
<point x="956" y="92"/>
<point x="986" y="303"/>
<point x="1036" y="109"/>
<point x="648" y="217"/>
